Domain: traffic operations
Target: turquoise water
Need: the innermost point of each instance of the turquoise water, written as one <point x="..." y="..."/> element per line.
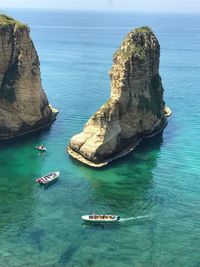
<point x="160" y="179"/>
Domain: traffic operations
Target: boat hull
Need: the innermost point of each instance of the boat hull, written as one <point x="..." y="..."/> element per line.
<point x="48" y="179"/>
<point x="100" y="218"/>
<point x="41" y="149"/>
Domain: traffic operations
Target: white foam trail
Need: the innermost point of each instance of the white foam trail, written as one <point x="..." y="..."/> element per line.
<point x="134" y="218"/>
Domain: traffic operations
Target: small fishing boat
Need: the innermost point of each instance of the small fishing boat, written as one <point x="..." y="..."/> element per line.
<point x="48" y="178"/>
<point x="101" y="218"/>
<point x="41" y="148"/>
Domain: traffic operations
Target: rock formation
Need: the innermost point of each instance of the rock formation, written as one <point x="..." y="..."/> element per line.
<point x="135" y="109"/>
<point x="23" y="104"/>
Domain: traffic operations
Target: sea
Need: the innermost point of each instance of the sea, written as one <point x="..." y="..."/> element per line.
<point x="155" y="189"/>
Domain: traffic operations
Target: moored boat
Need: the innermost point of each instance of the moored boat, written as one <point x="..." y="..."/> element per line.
<point x="100" y="218"/>
<point x="48" y="178"/>
<point x="41" y="148"/>
<point x="167" y="112"/>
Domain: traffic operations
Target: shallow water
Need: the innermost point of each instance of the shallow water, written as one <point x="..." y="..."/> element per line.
<point x="160" y="180"/>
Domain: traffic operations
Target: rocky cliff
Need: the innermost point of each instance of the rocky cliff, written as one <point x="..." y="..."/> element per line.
<point x="135" y="109"/>
<point x="23" y="104"/>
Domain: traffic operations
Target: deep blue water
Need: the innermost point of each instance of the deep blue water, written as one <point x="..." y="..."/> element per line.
<point x="161" y="178"/>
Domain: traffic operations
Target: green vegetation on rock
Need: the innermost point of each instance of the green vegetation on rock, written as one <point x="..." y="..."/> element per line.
<point x="134" y="44"/>
<point x="7" y="21"/>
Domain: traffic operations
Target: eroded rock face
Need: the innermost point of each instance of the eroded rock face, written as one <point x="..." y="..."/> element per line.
<point x="23" y="104"/>
<point x="135" y="109"/>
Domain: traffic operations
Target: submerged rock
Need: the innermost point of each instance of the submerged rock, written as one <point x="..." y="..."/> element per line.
<point x="135" y="108"/>
<point x="24" y="106"/>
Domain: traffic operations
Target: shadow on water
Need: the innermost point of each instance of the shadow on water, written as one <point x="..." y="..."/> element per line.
<point x="36" y="237"/>
<point x="68" y="254"/>
<point x="29" y="138"/>
<point x="126" y="183"/>
<point x="81" y="238"/>
<point x="101" y="226"/>
<point x="71" y="249"/>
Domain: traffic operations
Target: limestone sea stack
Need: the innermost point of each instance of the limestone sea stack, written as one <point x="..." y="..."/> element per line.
<point x="23" y="103"/>
<point x="135" y="109"/>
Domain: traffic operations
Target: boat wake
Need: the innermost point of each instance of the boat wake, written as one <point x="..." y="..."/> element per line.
<point x="134" y="218"/>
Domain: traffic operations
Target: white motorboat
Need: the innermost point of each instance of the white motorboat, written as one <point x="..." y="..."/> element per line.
<point x="48" y="178"/>
<point x="100" y="218"/>
<point x="41" y="148"/>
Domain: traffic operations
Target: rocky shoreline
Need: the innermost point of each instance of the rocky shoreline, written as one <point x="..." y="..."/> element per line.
<point x="123" y="153"/>
<point x="30" y="131"/>
<point x="135" y="109"/>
